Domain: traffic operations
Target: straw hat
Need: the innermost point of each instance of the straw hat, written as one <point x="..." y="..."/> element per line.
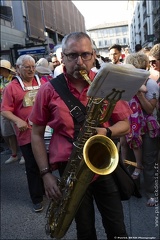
<point x="7" y="65"/>
<point x="43" y="70"/>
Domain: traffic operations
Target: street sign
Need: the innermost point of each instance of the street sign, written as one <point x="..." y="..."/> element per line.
<point x="34" y="50"/>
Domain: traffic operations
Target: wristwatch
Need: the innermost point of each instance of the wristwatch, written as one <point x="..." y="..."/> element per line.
<point x="109" y="133"/>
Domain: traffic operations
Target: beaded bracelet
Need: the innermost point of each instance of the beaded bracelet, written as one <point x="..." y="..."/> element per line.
<point x="44" y="171"/>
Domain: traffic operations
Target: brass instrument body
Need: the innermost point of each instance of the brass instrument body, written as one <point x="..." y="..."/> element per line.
<point x="90" y="155"/>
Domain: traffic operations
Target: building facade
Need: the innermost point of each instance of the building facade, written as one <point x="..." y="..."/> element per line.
<point x="144" y="24"/>
<point x="142" y="27"/>
<point x="105" y="35"/>
<point x="36" y="27"/>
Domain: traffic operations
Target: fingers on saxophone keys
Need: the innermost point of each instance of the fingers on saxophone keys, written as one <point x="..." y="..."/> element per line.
<point x="55" y="194"/>
<point x="22" y="129"/>
<point x="94" y="130"/>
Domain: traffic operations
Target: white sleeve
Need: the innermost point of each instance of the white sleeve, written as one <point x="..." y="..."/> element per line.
<point x="152" y="89"/>
<point x="58" y="70"/>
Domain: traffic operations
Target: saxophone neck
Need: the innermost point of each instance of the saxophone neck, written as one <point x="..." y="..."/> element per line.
<point x="85" y="76"/>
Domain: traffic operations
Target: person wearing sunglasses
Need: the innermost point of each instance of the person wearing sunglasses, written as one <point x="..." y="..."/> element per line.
<point x="154" y="61"/>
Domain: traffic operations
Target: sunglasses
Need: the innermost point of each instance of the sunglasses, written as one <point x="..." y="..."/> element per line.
<point x="152" y="62"/>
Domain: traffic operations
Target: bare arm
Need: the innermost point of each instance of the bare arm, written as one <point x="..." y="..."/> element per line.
<point x="119" y="129"/>
<point x="21" y="124"/>
<point x="38" y="146"/>
<point x="147" y="105"/>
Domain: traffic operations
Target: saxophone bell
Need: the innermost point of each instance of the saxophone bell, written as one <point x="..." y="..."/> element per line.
<point x="100" y="154"/>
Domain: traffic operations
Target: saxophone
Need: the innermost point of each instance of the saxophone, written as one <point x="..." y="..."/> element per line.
<point x="92" y="154"/>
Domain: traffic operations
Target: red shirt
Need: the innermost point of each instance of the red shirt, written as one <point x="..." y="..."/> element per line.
<point x="13" y="101"/>
<point x="46" y="78"/>
<point x="49" y="109"/>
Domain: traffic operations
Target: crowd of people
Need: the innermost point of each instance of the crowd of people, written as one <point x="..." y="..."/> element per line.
<point x="144" y="136"/>
<point x="29" y="103"/>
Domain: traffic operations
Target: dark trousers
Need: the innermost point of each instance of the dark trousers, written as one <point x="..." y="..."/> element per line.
<point x="110" y="207"/>
<point x="105" y="193"/>
<point x="35" y="182"/>
<point x="150" y="163"/>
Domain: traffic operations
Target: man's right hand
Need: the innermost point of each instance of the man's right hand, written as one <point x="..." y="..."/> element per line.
<point x="52" y="190"/>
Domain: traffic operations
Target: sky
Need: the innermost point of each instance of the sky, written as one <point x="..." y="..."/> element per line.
<point x="99" y="12"/>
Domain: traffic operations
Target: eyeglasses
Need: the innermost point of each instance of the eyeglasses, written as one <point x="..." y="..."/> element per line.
<point x="152" y="62"/>
<point x="86" y="56"/>
<point x="28" y="67"/>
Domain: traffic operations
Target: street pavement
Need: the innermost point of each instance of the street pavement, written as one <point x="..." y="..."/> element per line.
<point x="18" y="221"/>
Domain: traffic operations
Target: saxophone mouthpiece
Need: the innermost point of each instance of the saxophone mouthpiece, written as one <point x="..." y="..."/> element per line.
<point x="85" y="76"/>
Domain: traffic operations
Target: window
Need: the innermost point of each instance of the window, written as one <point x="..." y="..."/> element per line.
<point x="124" y="30"/>
<point x="99" y="43"/>
<point x="111" y="32"/>
<point x="6" y="13"/>
<point x="118" y="31"/>
<point x="120" y="41"/>
<point x="124" y="41"/>
<point x="93" y="34"/>
<point x="99" y="33"/>
<point x="105" y="32"/>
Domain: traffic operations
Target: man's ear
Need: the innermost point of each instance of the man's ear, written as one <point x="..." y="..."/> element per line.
<point x="94" y="52"/>
<point x="94" y="55"/>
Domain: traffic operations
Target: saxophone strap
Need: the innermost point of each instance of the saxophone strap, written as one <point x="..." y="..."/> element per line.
<point x="77" y="109"/>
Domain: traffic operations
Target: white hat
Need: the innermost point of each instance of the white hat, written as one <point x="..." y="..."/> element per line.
<point x="42" y="62"/>
<point x="43" y="70"/>
<point x="7" y="65"/>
